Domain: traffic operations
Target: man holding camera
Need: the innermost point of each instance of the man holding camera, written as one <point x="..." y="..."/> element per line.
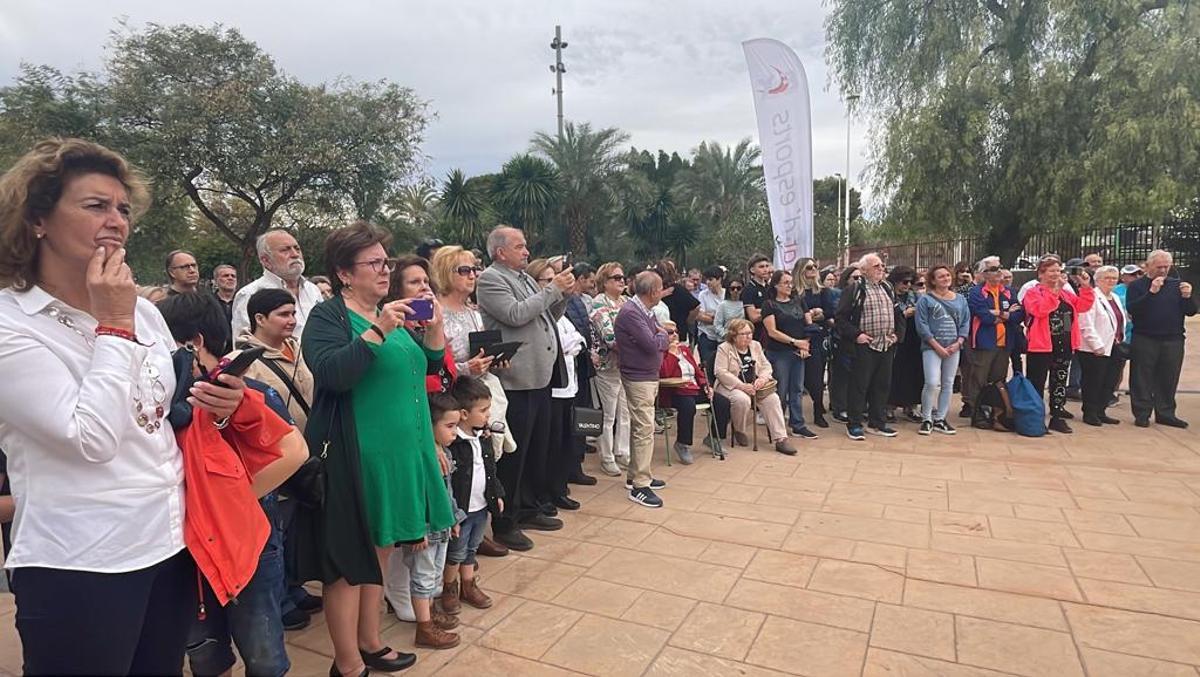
<point x="1157" y="302"/>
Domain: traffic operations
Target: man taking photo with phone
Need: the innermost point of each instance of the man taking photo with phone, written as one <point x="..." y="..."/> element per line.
<point x="1157" y="302"/>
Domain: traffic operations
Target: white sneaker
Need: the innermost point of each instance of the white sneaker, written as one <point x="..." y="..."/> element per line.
<point x="610" y="468"/>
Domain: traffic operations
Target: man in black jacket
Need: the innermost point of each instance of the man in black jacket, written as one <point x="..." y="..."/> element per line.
<point x="870" y="327"/>
<point x="1157" y="303"/>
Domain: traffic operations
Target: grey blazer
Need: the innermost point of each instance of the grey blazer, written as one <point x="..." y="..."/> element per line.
<point x="509" y="300"/>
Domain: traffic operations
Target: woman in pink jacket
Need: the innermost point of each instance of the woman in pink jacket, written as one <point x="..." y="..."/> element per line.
<point x="1053" y="315"/>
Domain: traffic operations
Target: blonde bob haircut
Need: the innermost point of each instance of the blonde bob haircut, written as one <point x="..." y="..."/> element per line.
<point x="442" y="268"/>
<point x="32" y="187"/>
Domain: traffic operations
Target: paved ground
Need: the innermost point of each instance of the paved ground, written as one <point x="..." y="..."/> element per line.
<point x="979" y="554"/>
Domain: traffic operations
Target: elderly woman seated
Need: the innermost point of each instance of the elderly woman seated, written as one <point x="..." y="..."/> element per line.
<point x="744" y="376"/>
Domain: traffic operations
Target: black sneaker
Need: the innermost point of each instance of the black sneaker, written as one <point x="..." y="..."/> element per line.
<point x="926" y="428"/>
<point x="883" y="431"/>
<point x="1171" y="421"/>
<point x="944" y="427"/>
<point x="514" y="540"/>
<point x="966" y="411"/>
<point x="655" y="483"/>
<point x="820" y="421"/>
<point x="296" y="619"/>
<point x="541" y="523"/>
<point x="645" y="496"/>
<point x="1059" y="425"/>
<point x="855" y="432"/>
<point x="805" y="433"/>
<point x="841" y="417"/>
<point x="1142" y="422"/>
<point x="311" y="603"/>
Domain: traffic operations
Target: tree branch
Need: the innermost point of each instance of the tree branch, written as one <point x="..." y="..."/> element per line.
<point x="194" y="193"/>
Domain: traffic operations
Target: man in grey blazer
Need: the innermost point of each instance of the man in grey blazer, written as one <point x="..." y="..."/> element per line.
<point x="511" y="302"/>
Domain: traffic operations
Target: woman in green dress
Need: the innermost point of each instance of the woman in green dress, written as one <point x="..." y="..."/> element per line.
<point x="370" y="421"/>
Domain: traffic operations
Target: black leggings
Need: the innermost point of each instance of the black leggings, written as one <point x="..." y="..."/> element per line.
<point x="685" y="417"/>
<point x="87" y="623"/>
<point x="1053" y="366"/>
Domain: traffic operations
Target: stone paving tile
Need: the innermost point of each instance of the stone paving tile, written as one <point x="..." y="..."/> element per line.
<point x="1106" y="566"/>
<point x="1176" y="603"/>
<point x="808" y="649"/>
<point x="882" y="663"/>
<point x="913" y="631"/>
<point x="673" y="662"/>
<point x="805" y="605"/>
<point x="941" y="567"/>
<point x="603" y="646"/>
<point x="1016" y="648"/>
<point x="864" y="529"/>
<point x="530" y="630"/>
<point x="1166" y="573"/>
<point x="659" y="610"/>
<point x="599" y="597"/>
<point x="718" y="630"/>
<point x="1027" y="579"/>
<point x="868" y="581"/>
<point x="671" y="575"/>
<point x="1139" y="634"/>
<point x="990" y="604"/>
<point x="993" y="547"/>
<point x="781" y="567"/>
<point x="1110" y="664"/>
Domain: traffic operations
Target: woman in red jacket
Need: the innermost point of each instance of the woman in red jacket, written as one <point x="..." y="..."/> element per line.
<point x="1053" y="315"/>
<point x="678" y="363"/>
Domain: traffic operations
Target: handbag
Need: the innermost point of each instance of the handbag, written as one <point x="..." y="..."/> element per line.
<point x="587" y="422"/>
<point x="766" y="391"/>
<point x="307" y="484"/>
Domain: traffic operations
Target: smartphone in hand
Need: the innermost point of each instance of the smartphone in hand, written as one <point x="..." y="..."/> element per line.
<point x="237" y="366"/>
<point x="422" y="310"/>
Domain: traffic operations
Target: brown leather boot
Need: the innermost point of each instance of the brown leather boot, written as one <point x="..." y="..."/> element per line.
<point x="431" y="636"/>
<point x="490" y="548"/>
<point x="449" y="599"/>
<point x="442" y="619"/>
<point x="471" y="594"/>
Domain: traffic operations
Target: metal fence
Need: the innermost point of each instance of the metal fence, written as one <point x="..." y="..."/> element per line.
<point x="1119" y="245"/>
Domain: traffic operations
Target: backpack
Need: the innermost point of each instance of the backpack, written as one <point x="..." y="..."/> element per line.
<point x="1029" y="412"/>
<point x="993" y="409"/>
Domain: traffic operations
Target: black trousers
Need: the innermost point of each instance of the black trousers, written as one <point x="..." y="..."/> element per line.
<point x="685" y="417"/>
<point x="870" y="381"/>
<point x="88" y="623"/>
<point x="523" y="472"/>
<point x="839" y="378"/>
<point x="1099" y="378"/>
<point x="814" y="380"/>
<point x="1054" y="367"/>
<point x="1154" y="375"/>
<point x="561" y="455"/>
<point x="583" y="398"/>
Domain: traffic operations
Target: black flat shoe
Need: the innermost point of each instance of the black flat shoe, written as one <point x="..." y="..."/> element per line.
<point x="1092" y="420"/>
<point x="334" y="672"/>
<point x="1065" y="414"/>
<point x="1109" y="420"/>
<point x="376" y="661"/>
<point x="541" y="523"/>
<point x="514" y="540"/>
<point x="566" y="503"/>
<point x="1059" y="425"/>
<point x="820" y="421"/>
<point x="582" y="479"/>
<point x="1172" y="422"/>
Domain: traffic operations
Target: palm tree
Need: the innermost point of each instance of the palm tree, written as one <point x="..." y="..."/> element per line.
<point x="463" y="202"/>
<point x="525" y="192"/>
<point x="722" y="181"/>
<point x="415" y="205"/>
<point x="586" y="161"/>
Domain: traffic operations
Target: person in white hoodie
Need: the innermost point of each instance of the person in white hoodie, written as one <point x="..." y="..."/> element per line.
<point x="1103" y="349"/>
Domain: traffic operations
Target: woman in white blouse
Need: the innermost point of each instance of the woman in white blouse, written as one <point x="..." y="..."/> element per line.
<point x="1102" y="348"/>
<point x="103" y="583"/>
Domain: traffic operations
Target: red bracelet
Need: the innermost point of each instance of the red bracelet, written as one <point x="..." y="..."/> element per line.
<point x="102" y="330"/>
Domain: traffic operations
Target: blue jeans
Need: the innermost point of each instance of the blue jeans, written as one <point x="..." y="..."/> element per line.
<point x="293" y="592"/>
<point x="939" y="384"/>
<point x="253" y="621"/>
<point x="789" y="372"/>
<point x="425" y="566"/>
<point x="470" y="534"/>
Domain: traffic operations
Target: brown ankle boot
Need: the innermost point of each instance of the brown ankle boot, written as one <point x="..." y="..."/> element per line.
<point x="432" y="637"/>
<point x="471" y="594"/>
<point x="449" y="599"/>
<point x="442" y="619"/>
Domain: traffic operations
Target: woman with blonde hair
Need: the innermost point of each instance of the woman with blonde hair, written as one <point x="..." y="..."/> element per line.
<point x="614" y="446"/>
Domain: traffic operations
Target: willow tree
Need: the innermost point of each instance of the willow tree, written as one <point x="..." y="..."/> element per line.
<point x="1007" y="117"/>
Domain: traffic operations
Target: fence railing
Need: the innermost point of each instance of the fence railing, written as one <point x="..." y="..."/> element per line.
<point x="1119" y="245"/>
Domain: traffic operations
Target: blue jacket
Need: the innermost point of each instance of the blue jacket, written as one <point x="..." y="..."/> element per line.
<point x="983" y="322"/>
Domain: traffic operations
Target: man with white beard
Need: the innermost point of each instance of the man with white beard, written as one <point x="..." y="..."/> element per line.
<point x="283" y="268"/>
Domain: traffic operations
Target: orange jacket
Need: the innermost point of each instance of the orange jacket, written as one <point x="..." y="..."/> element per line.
<point x="224" y="526"/>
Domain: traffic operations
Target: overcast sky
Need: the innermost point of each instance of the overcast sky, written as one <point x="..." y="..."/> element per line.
<point x="670" y="73"/>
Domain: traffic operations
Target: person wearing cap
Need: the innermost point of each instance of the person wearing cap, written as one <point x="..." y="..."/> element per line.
<point x="1129" y="273"/>
<point x="994" y="314"/>
<point x="1158" y="304"/>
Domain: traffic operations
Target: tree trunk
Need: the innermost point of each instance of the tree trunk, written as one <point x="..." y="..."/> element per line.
<point x="1006" y="241"/>
<point x="577" y="230"/>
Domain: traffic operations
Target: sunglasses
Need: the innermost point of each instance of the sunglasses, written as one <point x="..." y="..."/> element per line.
<point x="672" y="332"/>
<point x="468" y="270"/>
<point x="735" y="287"/>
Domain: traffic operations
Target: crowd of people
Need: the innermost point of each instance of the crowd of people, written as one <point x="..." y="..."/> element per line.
<point x="172" y="497"/>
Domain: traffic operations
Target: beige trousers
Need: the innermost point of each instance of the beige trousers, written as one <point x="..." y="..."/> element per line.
<point x="743" y="413"/>
<point x="641" y="396"/>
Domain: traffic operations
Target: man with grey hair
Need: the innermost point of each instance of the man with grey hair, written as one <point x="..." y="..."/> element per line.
<point x="870" y="327"/>
<point x="640" y="343"/>
<point x="512" y="303"/>
<point x="283" y="268"/>
<point x="995" y="315"/>
<point x="224" y="280"/>
<point x="1157" y="302"/>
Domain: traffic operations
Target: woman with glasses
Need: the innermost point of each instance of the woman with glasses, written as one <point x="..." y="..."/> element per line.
<point x="614" y="444"/>
<point x="786" y="322"/>
<point x="679" y="363"/>
<point x="744" y="376"/>
<point x="370" y="422"/>
<point x="821" y="302"/>
<point x="839" y="362"/>
<point x="908" y="374"/>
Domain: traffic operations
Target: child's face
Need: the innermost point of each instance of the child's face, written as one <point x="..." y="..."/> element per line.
<point x="444" y="427"/>
<point x="477" y="416"/>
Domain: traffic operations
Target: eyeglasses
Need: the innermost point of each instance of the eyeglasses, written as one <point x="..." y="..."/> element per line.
<point x="545" y="280"/>
<point x="378" y="266"/>
<point x="468" y="270"/>
<point x="186" y="266"/>
<point x="617" y="278"/>
<point x="744" y="333"/>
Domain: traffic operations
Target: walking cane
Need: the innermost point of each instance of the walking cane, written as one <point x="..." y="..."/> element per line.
<point x="754" y="419"/>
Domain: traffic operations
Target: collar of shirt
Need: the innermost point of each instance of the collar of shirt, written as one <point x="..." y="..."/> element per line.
<point x="638" y="301"/>
<point x="34" y="300"/>
<point x="465" y="435"/>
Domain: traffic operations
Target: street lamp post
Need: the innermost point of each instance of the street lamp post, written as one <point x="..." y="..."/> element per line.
<point x="558" y="45"/>
<point x="850" y="99"/>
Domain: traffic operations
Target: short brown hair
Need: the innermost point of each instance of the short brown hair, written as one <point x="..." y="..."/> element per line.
<point x="932" y="273"/>
<point x="396" y="279"/>
<point x="31" y="188"/>
<point x="1045" y="263"/>
<point x="343" y="245"/>
<point x="735" y="326"/>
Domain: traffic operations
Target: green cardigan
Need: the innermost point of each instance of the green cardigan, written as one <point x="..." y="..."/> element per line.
<point x="334" y="542"/>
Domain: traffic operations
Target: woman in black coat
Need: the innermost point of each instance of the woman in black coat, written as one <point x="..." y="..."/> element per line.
<point x="908" y="374"/>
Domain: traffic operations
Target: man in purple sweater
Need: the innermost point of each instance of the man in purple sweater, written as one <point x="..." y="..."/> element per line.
<point x="640" y="343"/>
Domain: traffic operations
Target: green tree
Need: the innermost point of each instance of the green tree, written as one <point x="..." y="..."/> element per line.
<point x="208" y="111"/>
<point x="648" y="207"/>
<point x="464" y="202"/>
<point x="587" y="161"/>
<point x="722" y="180"/>
<point x="526" y="193"/>
<point x="1005" y="117"/>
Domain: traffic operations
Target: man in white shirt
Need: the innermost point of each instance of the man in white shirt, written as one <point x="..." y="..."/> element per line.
<point x="283" y="268"/>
